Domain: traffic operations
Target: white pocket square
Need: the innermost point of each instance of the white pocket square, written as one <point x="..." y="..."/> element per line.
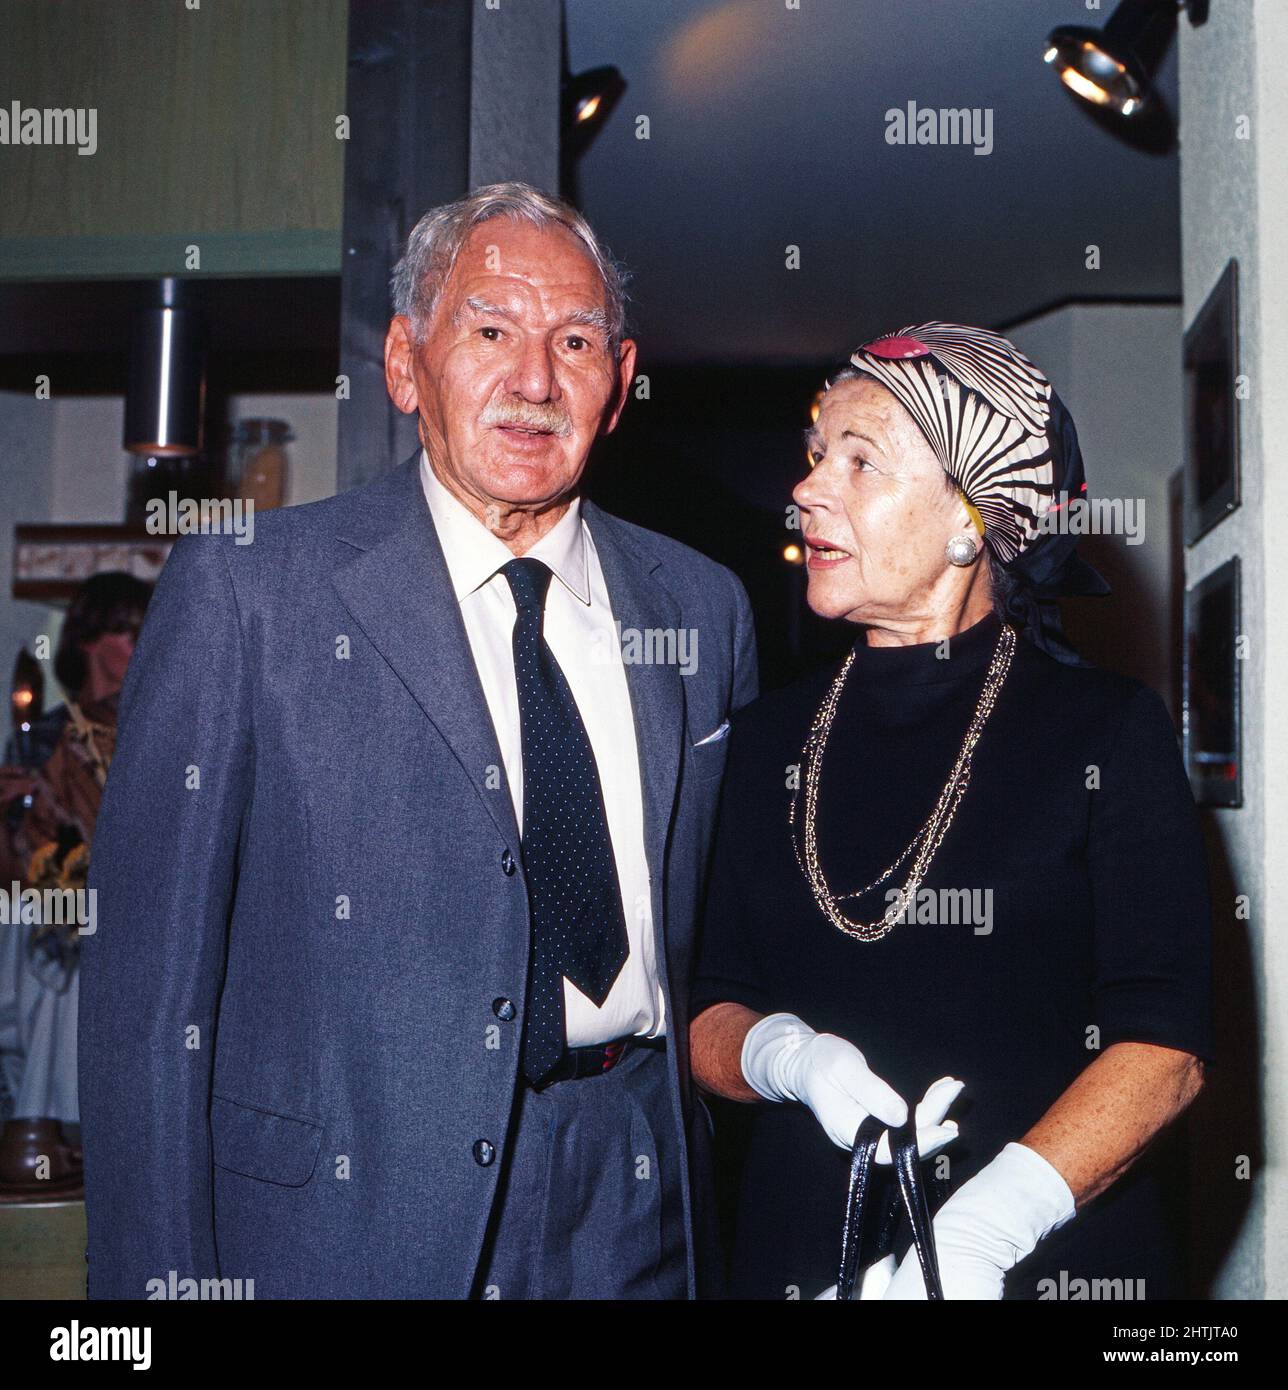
<point x="715" y="737"/>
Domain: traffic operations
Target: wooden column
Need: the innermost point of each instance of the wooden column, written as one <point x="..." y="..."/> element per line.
<point x="443" y="95"/>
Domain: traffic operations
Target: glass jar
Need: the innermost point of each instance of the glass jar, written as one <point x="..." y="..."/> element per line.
<point x="257" y="463"/>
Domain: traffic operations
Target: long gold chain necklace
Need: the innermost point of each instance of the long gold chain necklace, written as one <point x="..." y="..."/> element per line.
<point x="925" y="843"/>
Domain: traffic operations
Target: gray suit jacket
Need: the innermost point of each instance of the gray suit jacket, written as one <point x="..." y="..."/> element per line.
<point x="288" y="1048"/>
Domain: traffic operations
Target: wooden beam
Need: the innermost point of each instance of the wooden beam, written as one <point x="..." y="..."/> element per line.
<point x="408" y="149"/>
<point x="443" y="96"/>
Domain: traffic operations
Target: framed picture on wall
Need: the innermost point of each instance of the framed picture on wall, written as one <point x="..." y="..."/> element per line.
<point x="50" y="562"/>
<point x="1213" y="691"/>
<point x="1211" y="367"/>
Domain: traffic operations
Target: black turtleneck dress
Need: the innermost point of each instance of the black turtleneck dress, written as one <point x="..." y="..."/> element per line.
<point x="1078" y="839"/>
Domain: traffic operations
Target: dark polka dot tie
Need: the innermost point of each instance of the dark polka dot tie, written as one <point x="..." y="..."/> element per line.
<point x="575" y="904"/>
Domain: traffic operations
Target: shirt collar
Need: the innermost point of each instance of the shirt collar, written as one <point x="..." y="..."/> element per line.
<point x="474" y="554"/>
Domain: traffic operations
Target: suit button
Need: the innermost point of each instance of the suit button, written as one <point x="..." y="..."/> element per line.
<point x="507" y="864"/>
<point x="484" y="1152"/>
<point x="504" y="1009"/>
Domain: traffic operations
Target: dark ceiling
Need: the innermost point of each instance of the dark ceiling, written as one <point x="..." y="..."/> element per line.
<point x="768" y="129"/>
<point x="276" y="334"/>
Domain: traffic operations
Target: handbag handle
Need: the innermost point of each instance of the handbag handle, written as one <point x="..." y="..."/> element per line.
<point x="859" y="1203"/>
<point x="862" y="1166"/>
<point x="907" y="1165"/>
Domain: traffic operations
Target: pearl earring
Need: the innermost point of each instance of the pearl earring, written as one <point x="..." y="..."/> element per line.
<point x="960" y="551"/>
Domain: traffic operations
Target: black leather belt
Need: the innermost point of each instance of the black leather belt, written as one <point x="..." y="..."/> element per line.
<point x="580" y="1062"/>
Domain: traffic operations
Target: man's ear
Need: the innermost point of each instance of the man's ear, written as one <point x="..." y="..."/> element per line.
<point x="399" y="348"/>
<point x="625" y="375"/>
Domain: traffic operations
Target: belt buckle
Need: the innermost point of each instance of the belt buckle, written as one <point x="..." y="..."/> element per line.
<point x="613" y="1053"/>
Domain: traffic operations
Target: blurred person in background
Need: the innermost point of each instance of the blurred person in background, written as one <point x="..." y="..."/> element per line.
<point x="50" y="788"/>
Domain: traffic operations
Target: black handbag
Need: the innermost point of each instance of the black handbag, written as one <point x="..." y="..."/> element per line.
<point x="871" y="1220"/>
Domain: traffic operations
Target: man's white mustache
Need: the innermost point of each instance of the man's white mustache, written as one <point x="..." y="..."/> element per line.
<point x="529" y="416"/>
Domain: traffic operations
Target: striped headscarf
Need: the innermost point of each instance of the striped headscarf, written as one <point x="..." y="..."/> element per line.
<point x="1009" y="445"/>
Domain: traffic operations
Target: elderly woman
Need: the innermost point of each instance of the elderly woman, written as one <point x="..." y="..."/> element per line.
<point x="961" y="852"/>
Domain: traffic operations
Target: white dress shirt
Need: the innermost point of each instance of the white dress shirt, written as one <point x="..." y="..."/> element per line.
<point x="580" y="631"/>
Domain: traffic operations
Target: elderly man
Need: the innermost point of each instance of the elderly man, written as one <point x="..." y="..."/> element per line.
<point x="400" y="855"/>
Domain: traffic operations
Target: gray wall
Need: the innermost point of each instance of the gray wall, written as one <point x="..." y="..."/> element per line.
<point x="26" y="489"/>
<point x="1117" y="368"/>
<point x="1234" y="202"/>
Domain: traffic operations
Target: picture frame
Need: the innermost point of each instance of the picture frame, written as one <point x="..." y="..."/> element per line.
<point x="1210" y="366"/>
<point x="50" y="562"/>
<point x="1212" y="731"/>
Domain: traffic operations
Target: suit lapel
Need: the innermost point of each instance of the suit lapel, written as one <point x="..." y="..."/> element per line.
<point x="640" y="602"/>
<point x="399" y="592"/>
<point x="393" y="579"/>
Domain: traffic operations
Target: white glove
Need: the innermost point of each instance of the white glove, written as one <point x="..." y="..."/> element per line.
<point x="934" y="1132"/>
<point x="989" y="1225"/>
<point x="784" y="1059"/>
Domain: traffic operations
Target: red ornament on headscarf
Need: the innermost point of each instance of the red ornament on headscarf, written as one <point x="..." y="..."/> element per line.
<point x="895" y="346"/>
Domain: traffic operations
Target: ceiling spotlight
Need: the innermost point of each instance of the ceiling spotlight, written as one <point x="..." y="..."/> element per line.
<point x="1112" y="68"/>
<point x="588" y="101"/>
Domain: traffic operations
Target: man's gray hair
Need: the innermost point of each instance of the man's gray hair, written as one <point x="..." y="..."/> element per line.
<point x="436" y="241"/>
